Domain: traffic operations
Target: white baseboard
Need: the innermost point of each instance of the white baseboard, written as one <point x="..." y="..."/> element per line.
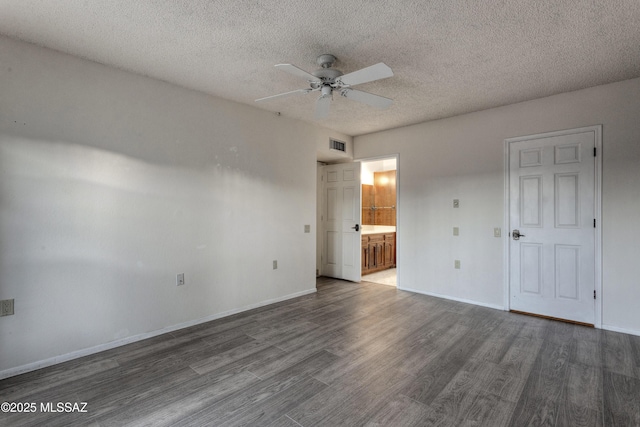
<point x="128" y="340"/>
<point x="621" y="330"/>
<point x="467" y="301"/>
<point x="499" y="307"/>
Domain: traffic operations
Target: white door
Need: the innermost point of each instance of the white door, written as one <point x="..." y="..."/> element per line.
<point x="552" y="206"/>
<point x="341" y="219"/>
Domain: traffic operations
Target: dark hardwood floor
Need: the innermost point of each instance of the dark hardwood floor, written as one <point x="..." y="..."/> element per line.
<point x="352" y="354"/>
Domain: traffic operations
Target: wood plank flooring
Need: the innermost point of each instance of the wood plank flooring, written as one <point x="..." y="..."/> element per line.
<point x="354" y="355"/>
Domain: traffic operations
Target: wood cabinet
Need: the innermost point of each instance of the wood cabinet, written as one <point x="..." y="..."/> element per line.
<point x="390" y="250"/>
<point x="378" y="252"/>
<point x="364" y="256"/>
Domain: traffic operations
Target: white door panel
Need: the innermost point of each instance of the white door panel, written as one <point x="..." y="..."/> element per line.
<point x="552" y="205"/>
<point x="341" y="220"/>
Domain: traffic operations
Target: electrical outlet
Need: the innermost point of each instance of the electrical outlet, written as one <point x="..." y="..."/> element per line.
<point x="307" y="228"/>
<point x="497" y="232"/>
<point x="180" y="279"/>
<point x="6" y="307"/>
<point x="456" y="203"/>
<point x="456" y="231"/>
<point x="275" y="264"/>
<point x="457" y="264"/>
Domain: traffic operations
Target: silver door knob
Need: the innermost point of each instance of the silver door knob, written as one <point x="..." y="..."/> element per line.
<point x="516" y="234"/>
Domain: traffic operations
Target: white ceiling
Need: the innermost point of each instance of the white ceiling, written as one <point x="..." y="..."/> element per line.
<point x="449" y="56"/>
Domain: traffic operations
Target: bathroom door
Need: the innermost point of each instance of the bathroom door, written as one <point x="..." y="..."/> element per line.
<point x="341" y="218"/>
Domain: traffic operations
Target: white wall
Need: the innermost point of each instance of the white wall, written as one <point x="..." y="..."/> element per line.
<point x="462" y="157"/>
<point x="112" y="183"/>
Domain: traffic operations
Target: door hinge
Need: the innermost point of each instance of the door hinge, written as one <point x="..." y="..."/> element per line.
<point x="594" y="151"/>
<point x="594" y="223"/>
<point x="594" y="294"/>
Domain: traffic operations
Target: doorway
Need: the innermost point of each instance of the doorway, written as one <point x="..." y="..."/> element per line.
<point x="379" y="180"/>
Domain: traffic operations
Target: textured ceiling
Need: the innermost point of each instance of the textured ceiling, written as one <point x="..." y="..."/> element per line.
<point x="449" y="56"/>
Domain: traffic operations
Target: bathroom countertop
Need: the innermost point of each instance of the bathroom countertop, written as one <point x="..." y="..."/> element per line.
<point x="375" y="229"/>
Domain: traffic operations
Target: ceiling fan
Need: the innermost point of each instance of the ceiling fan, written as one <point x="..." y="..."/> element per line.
<point x="326" y="80"/>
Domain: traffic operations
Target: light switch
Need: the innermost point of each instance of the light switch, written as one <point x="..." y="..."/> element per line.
<point x="456" y="203"/>
<point x="456" y="264"/>
<point x="307" y="228"/>
<point x="497" y="232"/>
<point x="456" y="231"/>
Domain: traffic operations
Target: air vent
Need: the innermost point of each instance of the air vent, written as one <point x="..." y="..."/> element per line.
<point x="334" y="144"/>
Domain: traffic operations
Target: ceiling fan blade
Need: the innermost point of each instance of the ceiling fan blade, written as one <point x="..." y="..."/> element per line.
<point x="284" y="95"/>
<point x="322" y="107"/>
<point x="292" y="69"/>
<point x="367" y="98"/>
<point x="368" y="74"/>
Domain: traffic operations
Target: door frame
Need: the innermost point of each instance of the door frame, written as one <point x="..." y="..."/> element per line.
<point x="398" y="239"/>
<point x="506" y="249"/>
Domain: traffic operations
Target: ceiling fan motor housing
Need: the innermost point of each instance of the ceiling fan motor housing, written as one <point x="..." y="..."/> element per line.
<point x="327" y="74"/>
